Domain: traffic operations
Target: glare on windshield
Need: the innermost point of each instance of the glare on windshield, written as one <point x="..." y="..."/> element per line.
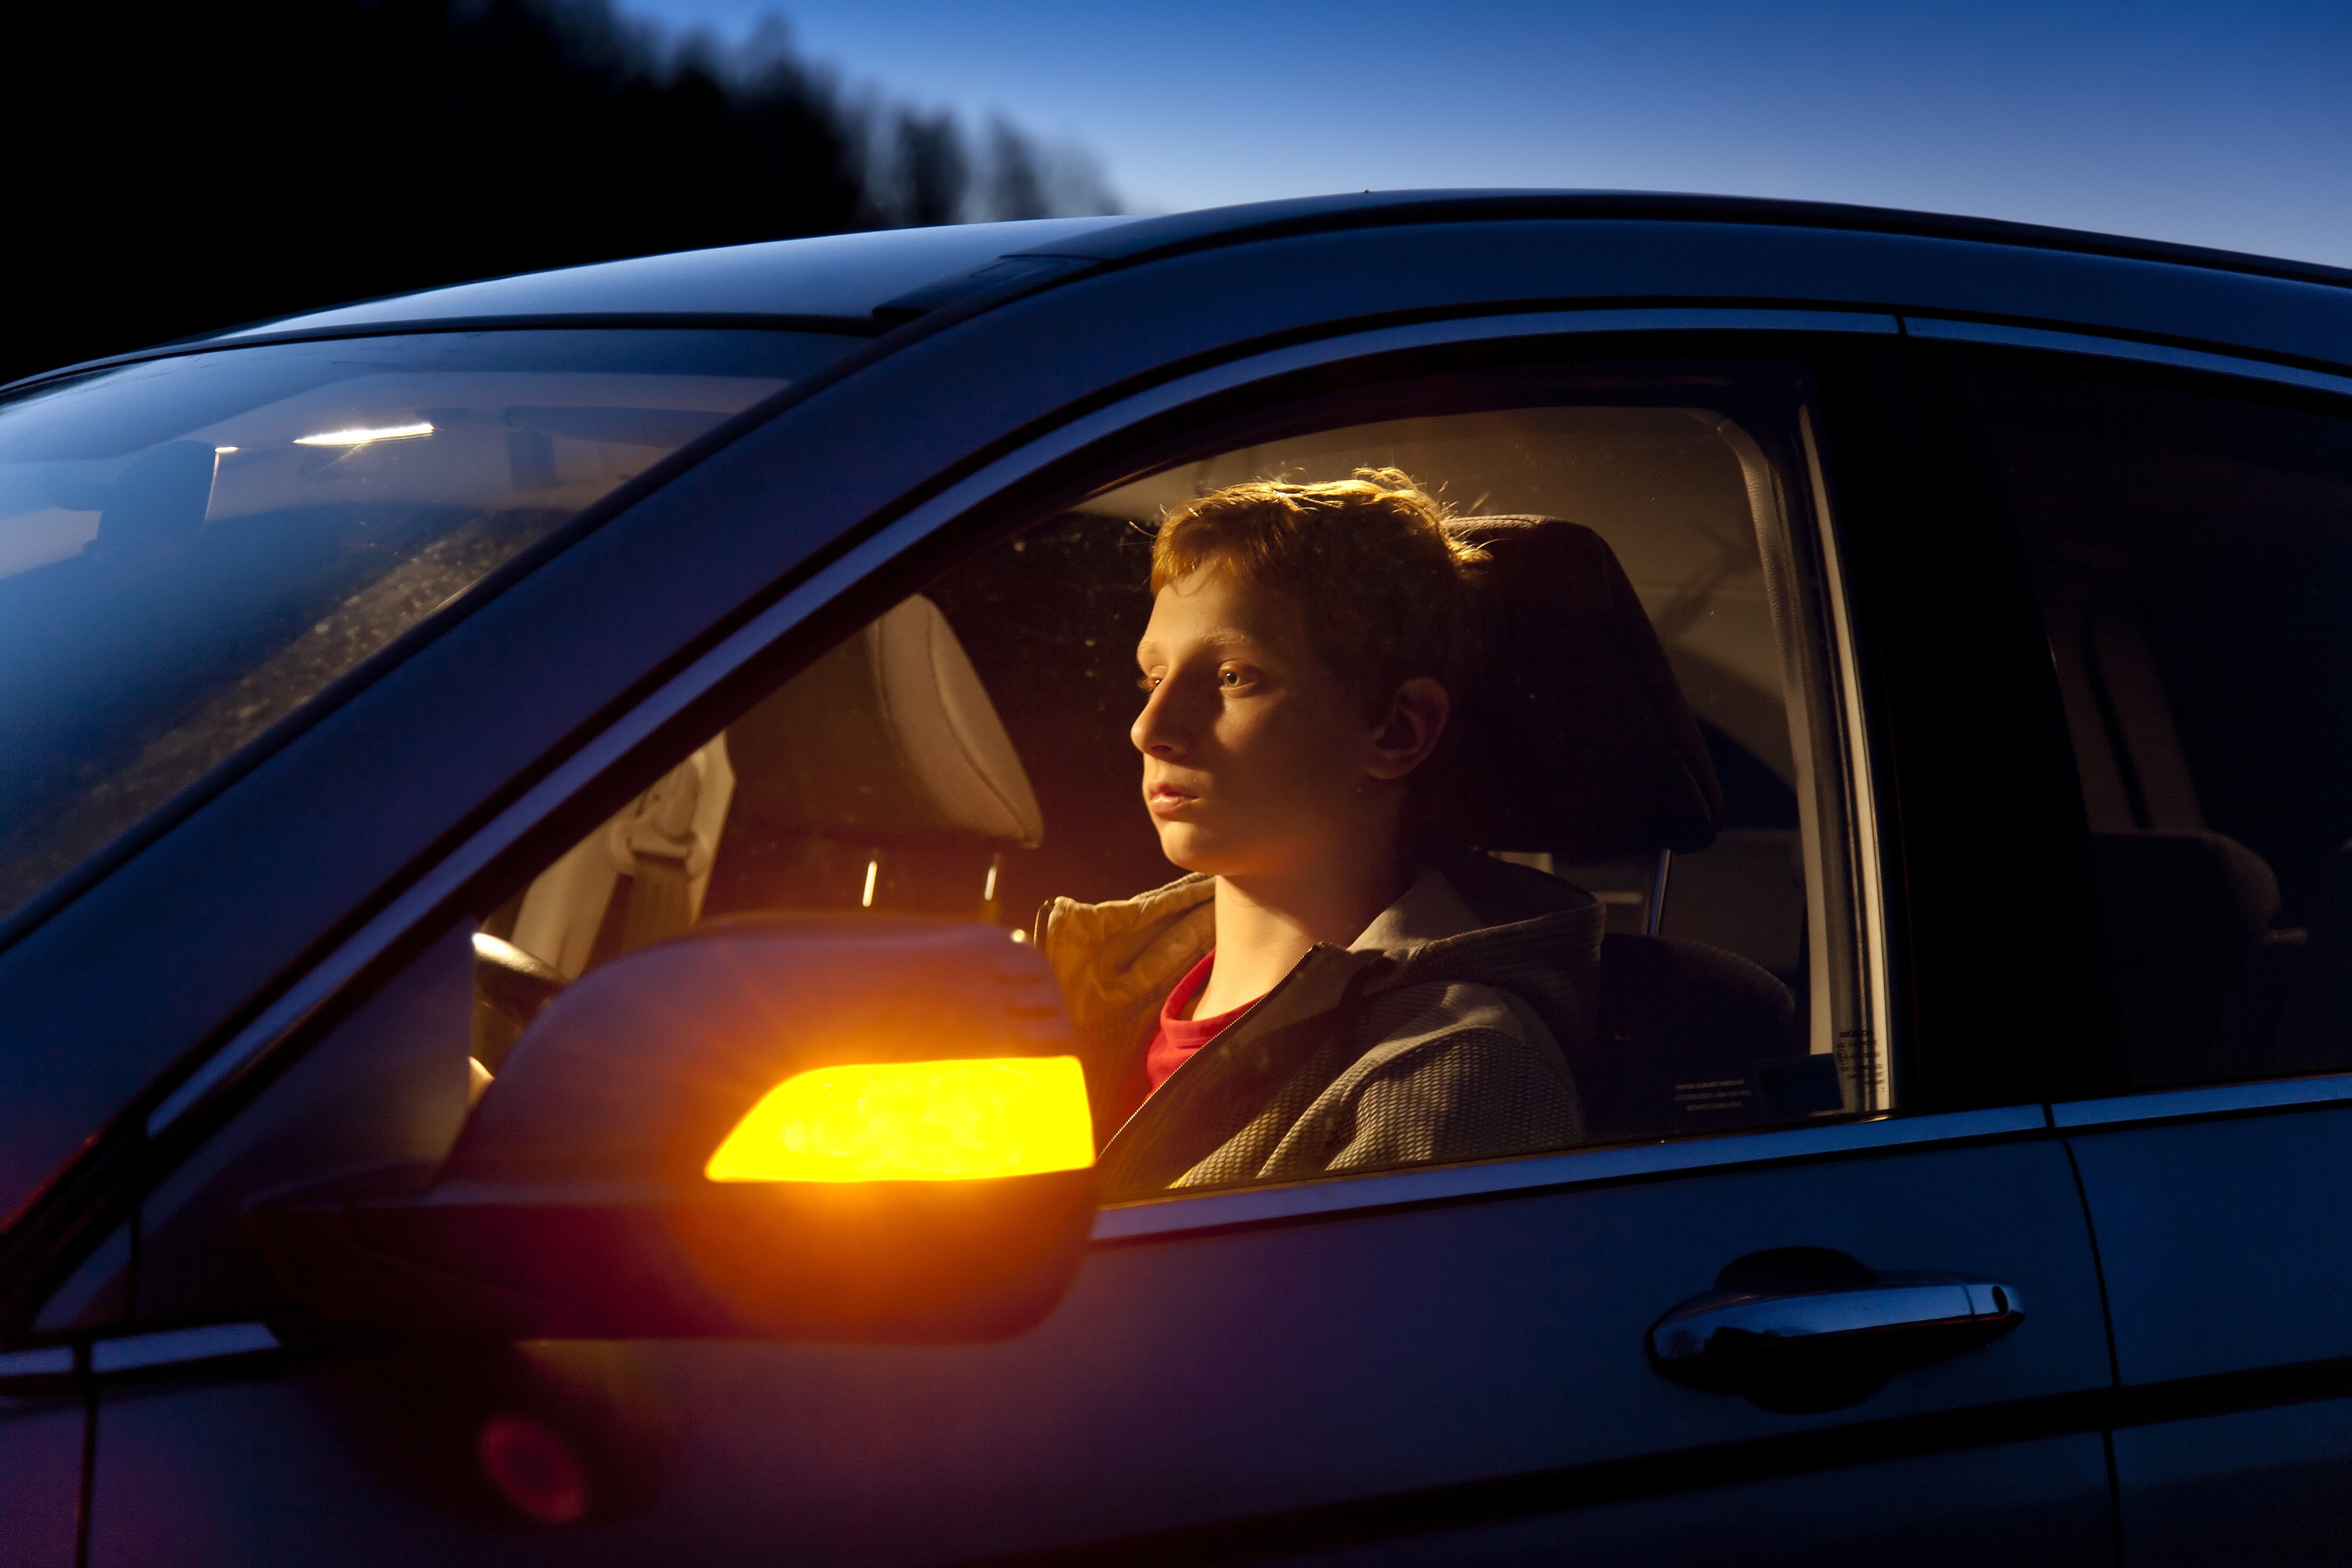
<point x="194" y="547"/>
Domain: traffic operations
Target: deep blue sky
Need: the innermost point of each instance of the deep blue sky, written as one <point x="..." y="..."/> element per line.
<point x="2216" y="124"/>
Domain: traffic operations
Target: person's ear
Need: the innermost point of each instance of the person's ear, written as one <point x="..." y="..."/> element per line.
<point x="1416" y="719"/>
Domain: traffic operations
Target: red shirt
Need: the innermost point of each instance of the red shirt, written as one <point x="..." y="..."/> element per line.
<point x="1177" y="1038"/>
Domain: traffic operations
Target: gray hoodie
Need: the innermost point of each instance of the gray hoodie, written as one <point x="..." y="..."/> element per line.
<point x="1433" y="1038"/>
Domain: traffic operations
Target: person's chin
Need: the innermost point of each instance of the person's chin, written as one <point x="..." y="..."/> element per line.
<point x="1188" y="847"/>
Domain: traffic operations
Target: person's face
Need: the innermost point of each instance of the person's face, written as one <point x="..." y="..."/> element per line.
<point x="1257" y="759"/>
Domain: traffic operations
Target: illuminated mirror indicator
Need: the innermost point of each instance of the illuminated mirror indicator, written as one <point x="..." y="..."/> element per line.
<point x="360" y="438"/>
<point x="915" y="1121"/>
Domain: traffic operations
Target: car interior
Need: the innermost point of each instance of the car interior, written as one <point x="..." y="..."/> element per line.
<point x="966" y="755"/>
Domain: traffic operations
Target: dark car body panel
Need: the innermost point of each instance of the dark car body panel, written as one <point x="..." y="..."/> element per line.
<point x="2223" y="1243"/>
<point x="1483" y="1360"/>
<point x="43" y="1436"/>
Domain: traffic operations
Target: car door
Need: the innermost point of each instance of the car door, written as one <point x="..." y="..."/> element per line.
<point x="1436" y="1364"/>
<point x="2188" y="533"/>
<point x="41" y="1433"/>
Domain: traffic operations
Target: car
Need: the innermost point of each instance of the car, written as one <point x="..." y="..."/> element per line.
<point x="490" y="773"/>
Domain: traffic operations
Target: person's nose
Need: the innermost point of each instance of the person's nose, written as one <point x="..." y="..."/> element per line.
<point x="1158" y="730"/>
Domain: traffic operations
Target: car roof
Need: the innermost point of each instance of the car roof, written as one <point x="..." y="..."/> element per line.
<point x="855" y="280"/>
<point x="837" y="277"/>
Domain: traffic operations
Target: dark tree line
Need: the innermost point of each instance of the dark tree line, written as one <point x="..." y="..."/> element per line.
<point x="181" y="167"/>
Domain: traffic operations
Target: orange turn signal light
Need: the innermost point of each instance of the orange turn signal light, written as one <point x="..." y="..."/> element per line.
<point x="915" y="1121"/>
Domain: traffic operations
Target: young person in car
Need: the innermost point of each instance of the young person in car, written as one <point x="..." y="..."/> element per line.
<point x="1315" y="995"/>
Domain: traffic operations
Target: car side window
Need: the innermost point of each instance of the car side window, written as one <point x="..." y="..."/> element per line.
<point x="2192" y="550"/>
<point x="1627" y="906"/>
<point x="1645" y="758"/>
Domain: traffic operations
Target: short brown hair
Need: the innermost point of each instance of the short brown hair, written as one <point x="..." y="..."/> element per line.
<point x="1387" y="591"/>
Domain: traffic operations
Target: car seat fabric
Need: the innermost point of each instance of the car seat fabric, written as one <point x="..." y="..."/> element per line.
<point x="1578" y="740"/>
<point x="588" y="905"/>
<point x="1581" y="744"/>
<point x="2291" y="1010"/>
<point x="2183" y="914"/>
<point x="886" y="751"/>
<point x="1686" y="1038"/>
<point x="885" y="755"/>
<point x="889" y="735"/>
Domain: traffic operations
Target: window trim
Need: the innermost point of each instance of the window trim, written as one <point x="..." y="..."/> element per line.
<point x="216" y="1078"/>
<point x="1864" y="854"/>
<point x="2210" y="1099"/>
<point x="1996" y="334"/>
<point x="1182" y="1214"/>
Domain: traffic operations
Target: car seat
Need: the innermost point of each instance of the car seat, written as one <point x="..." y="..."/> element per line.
<point x="1578" y="743"/>
<point x="2207" y="986"/>
<point x="880" y="777"/>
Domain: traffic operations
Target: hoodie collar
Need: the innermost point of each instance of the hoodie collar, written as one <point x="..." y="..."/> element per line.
<point x="1429" y="910"/>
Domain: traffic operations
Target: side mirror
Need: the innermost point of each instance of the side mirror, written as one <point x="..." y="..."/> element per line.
<point x="818" y="1128"/>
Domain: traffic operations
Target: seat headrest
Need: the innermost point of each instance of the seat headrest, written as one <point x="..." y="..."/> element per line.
<point x="1577" y="739"/>
<point x="890" y="736"/>
<point x="2183" y="912"/>
<point x="2176" y="900"/>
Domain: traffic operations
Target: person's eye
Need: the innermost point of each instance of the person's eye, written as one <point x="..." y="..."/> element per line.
<point x="1233" y="678"/>
<point x="1147" y="682"/>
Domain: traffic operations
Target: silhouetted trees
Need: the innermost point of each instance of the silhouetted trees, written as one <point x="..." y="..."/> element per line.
<point x="176" y="168"/>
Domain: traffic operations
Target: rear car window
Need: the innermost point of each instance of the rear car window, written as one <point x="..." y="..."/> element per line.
<point x="2192" y="551"/>
<point x="193" y="548"/>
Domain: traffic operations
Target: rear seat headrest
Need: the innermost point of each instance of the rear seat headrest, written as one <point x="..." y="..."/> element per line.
<point x="2183" y="900"/>
<point x="1578" y="740"/>
<point x="889" y="737"/>
<point x="2183" y="914"/>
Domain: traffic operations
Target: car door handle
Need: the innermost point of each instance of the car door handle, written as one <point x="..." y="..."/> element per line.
<point x="1734" y="1341"/>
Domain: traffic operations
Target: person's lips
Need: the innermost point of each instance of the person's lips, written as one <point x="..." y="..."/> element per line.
<point x="1165" y="799"/>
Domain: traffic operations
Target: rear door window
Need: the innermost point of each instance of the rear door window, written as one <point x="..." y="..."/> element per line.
<point x="2193" y="553"/>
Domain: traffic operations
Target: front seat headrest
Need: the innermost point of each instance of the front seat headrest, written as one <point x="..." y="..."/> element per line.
<point x="1577" y="739"/>
<point x="889" y="737"/>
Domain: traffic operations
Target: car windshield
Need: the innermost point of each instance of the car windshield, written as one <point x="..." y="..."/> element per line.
<point x="192" y="548"/>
